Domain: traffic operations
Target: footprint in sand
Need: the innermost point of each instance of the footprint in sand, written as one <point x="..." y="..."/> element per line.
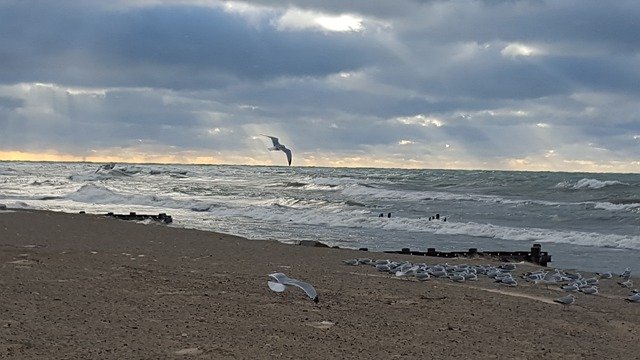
<point x="189" y="351"/>
<point x="323" y="325"/>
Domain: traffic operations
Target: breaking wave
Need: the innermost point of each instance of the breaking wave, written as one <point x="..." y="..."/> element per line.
<point x="588" y="184"/>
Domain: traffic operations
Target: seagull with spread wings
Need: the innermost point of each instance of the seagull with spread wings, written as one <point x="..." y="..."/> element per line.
<point x="281" y="281"/>
<point x="277" y="146"/>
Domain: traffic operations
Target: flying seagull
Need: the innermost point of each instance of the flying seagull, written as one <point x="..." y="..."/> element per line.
<point x="280" y="282"/>
<point x="277" y="146"/>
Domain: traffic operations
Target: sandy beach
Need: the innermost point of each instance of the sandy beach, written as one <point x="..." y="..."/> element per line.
<point x="80" y="286"/>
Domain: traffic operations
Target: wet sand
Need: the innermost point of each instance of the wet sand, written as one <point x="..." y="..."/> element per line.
<point x="90" y="287"/>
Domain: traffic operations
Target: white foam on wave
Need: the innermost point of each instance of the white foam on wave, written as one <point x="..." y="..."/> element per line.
<point x="308" y="183"/>
<point x="616" y="207"/>
<point x="333" y="182"/>
<point x="19" y="205"/>
<point x="129" y="169"/>
<point x="93" y="176"/>
<point x="379" y="193"/>
<point x="8" y="171"/>
<point x="94" y="194"/>
<point x="588" y="184"/>
<point x="317" y="187"/>
<point x="541" y="235"/>
<point x="361" y="218"/>
<point x="167" y="171"/>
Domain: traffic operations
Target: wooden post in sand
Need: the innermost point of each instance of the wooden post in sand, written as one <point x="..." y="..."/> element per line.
<point x="535" y="253"/>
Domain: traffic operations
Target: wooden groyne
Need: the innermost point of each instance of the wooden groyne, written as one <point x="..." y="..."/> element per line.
<point x="535" y="255"/>
<point x="162" y="217"/>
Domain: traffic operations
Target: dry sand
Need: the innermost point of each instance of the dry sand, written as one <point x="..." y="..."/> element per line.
<point x="91" y="287"/>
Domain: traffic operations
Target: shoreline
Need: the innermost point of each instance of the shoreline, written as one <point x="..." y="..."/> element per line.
<point x="88" y="286"/>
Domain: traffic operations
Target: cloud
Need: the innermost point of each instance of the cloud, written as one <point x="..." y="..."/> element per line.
<point x="296" y="19"/>
<point x="421" y="120"/>
<point x="517" y="49"/>
<point x="480" y="84"/>
<point x="178" y="47"/>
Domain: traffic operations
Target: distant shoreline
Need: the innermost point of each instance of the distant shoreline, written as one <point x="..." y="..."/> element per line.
<point x="312" y="166"/>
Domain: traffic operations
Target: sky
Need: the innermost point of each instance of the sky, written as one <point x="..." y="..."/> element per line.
<point x="469" y="84"/>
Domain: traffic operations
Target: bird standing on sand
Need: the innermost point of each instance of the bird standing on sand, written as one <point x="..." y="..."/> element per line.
<point x="277" y="146"/>
<point x="566" y="300"/>
<point x="626" y="284"/>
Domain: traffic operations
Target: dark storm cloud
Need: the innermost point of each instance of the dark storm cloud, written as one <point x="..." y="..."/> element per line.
<point x="172" y="47"/>
<point x="595" y="23"/>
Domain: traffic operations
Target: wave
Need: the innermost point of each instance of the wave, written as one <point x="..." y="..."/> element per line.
<point x="613" y="206"/>
<point x="160" y="171"/>
<point x="318" y="187"/>
<point x="111" y="174"/>
<point x="379" y="193"/>
<point x="295" y="184"/>
<point x="296" y="203"/>
<point x="129" y="170"/>
<point x="542" y="235"/>
<point x="629" y="201"/>
<point x="333" y="181"/>
<point x="8" y="171"/>
<point x="588" y="184"/>
<point x="364" y="219"/>
<point x="19" y="205"/>
<point x="94" y="194"/>
<point x="202" y="207"/>
<point x="354" y="203"/>
<point x="359" y="191"/>
<point x="313" y="186"/>
<point x="41" y="183"/>
<point x="49" y="198"/>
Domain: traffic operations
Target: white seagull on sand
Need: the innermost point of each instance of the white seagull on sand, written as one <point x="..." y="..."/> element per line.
<point x="277" y="146"/>
<point x="280" y="282"/>
<point x="566" y="300"/>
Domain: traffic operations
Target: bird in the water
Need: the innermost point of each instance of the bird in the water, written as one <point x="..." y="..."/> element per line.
<point x="277" y="146"/>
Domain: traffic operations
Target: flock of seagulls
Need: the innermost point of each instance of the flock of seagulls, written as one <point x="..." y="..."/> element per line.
<point x="502" y="274"/>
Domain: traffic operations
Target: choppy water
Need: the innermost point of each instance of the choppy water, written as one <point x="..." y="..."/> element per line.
<point x="586" y="221"/>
